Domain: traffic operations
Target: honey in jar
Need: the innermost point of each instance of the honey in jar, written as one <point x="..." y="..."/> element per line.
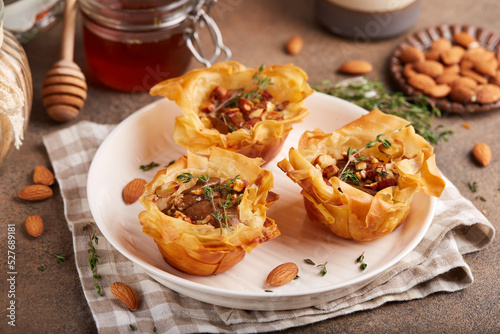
<point x="131" y="45"/>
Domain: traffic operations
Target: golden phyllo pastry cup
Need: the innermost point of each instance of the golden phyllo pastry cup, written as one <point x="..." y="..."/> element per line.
<point x="264" y="137"/>
<point x="348" y="211"/>
<point x="203" y="249"/>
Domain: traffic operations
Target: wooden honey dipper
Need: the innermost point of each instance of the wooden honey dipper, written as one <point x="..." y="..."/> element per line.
<point x="64" y="89"/>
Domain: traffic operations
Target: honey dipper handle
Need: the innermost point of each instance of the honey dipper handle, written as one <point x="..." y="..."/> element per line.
<point x="68" y="34"/>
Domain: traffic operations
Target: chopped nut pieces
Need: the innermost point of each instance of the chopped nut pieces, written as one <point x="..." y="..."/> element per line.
<point x="463" y="71"/>
<point x="282" y="274"/>
<point x="482" y="153"/>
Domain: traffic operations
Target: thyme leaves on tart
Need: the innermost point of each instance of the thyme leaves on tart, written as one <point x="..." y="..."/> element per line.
<point x="371" y="94"/>
<point x="354" y="157"/>
<point x="210" y="201"/>
<point x="228" y="110"/>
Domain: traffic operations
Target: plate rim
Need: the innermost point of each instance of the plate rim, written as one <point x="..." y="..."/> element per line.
<point x="366" y="277"/>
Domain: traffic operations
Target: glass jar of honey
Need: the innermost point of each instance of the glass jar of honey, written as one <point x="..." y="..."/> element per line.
<point x="16" y="92"/>
<point x="132" y="45"/>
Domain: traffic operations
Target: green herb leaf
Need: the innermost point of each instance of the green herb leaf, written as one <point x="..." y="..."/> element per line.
<point x="185" y="177"/>
<point x="42" y="267"/>
<point x="472" y="186"/>
<point x="309" y="261"/>
<point x="59" y="257"/>
<point x="363" y="266"/>
<point x="132" y="328"/>
<point x="371" y="94"/>
<point x="149" y="166"/>
<point x="361" y="258"/>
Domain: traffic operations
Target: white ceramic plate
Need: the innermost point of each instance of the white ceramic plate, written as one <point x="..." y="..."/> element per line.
<point x="147" y="136"/>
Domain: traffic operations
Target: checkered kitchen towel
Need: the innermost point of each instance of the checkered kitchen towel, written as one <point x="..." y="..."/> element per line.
<point x="436" y="264"/>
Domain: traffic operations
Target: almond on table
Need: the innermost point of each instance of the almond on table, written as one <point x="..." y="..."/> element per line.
<point x="356" y="67"/>
<point x="34" y="225"/>
<point x="482" y="153"/>
<point x="42" y="175"/>
<point x="35" y="192"/>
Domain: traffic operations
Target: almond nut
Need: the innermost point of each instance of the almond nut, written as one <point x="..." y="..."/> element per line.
<point x="465" y="40"/>
<point x="479" y="54"/>
<point x="482" y="153"/>
<point x="42" y="175"/>
<point x="34" y="225"/>
<point x="438" y="91"/>
<point x="463" y="94"/>
<point x="475" y="76"/>
<point x="294" y="45"/>
<point x="453" y="55"/>
<point x="447" y="78"/>
<point x="455" y="69"/>
<point x="465" y="82"/>
<point x="408" y="70"/>
<point x="411" y="54"/>
<point x="282" y="274"/>
<point x="133" y="190"/>
<point x="488" y="67"/>
<point x="421" y="81"/>
<point x="441" y="45"/>
<point x="430" y="67"/>
<point x="35" y="192"/>
<point x="433" y="55"/>
<point x="356" y="67"/>
<point x="488" y="93"/>
<point x="126" y="294"/>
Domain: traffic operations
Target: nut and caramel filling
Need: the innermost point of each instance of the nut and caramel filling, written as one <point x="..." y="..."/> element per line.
<point x="210" y="200"/>
<point x="367" y="173"/>
<point x="228" y="110"/>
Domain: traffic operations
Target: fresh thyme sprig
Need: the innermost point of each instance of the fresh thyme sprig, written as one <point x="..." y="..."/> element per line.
<point x="346" y="174"/>
<point x="258" y="80"/>
<point x="371" y="94"/>
<point x="209" y="192"/>
<point x="93" y="256"/>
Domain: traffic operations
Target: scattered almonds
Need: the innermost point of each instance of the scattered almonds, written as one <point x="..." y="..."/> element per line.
<point x="42" y="175"/>
<point x="482" y="154"/>
<point x="133" y="190"/>
<point x="357" y="67"/>
<point x="459" y="69"/>
<point x="35" y="192"/>
<point x="34" y="225"/>
<point x="282" y="274"/>
<point x="126" y="294"/>
<point x="294" y="45"/>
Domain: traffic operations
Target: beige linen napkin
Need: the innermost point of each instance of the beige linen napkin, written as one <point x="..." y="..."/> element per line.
<point x="436" y="264"/>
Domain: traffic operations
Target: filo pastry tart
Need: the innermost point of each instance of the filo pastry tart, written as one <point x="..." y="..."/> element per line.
<point x="249" y="111"/>
<point x="205" y="214"/>
<point x="360" y="180"/>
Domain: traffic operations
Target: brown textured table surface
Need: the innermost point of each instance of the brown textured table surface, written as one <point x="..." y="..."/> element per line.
<point x="256" y="31"/>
